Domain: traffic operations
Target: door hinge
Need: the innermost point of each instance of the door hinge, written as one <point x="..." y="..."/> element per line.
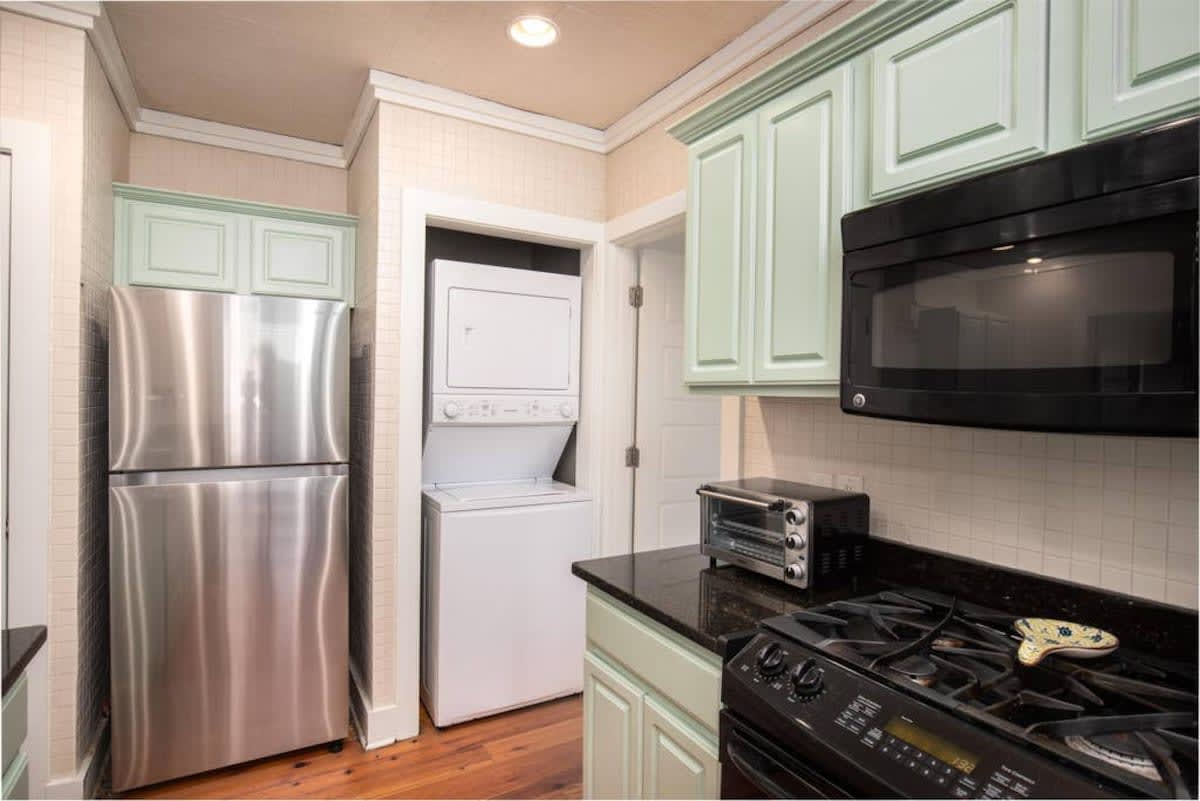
<point x="635" y="297"/>
<point x="633" y="456"/>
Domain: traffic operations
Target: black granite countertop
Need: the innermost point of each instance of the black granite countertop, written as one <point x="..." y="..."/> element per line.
<point x="678" y="588"/>
<point x="19" y="647"/>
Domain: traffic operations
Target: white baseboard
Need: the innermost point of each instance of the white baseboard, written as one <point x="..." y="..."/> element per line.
<point x="376" y="726"/>
<point x="85" y="783"/>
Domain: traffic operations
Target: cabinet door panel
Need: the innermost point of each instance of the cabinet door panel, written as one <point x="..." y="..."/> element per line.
<point x="677" y="761"/>
<point x="175" y="246"/>
<point x="298" y="259"/>
<point x="960" y="92"/>
<point x="803" y="148"/>
<point x="612" y="726"/>
<point x="719" y="256"/>
<point x="1142" y="63"/>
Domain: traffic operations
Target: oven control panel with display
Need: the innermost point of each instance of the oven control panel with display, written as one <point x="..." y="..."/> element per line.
<point x="819" y="710"/>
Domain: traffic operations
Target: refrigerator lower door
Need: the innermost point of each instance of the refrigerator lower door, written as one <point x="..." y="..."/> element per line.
<point x="228" y="595"/>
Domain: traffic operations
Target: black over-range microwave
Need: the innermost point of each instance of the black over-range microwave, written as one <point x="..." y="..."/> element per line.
<point x="1058" y="295"/>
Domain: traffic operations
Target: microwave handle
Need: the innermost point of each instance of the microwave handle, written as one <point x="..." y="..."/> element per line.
<point x="774" y="506"/>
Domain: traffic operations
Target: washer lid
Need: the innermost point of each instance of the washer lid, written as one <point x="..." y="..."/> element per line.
<point x="494" y="495"/>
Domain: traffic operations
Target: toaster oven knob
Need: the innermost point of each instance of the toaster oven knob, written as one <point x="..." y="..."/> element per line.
<point x="795" y="517"/>
<point x="794" y="542"/>
<point x="794" y="571"/>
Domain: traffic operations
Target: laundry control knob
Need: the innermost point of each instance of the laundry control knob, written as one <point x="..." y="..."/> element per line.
<point x="451" y="410"/>
<point x="795" y="542"/>
<point x="770" y="659"/>
<point x="806" y="678"/>
<point x="795" y="517"/>
<point x="565" y="409"/>
<point x="794" y="571"/>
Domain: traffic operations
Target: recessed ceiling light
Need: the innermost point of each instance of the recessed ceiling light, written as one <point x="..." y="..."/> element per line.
<point x="533" y="31"/>
<point x="1034" y="260"/>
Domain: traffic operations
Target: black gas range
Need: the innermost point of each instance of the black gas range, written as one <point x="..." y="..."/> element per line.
<point x="914" y="694"/>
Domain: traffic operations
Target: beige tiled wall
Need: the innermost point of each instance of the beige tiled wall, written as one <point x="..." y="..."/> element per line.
<point x="1114" y="512"/>
<point x="105" y="159"/>
<point x="654" y="165"/>
<point x="363" y="200"/>
<point x="190" y="167"/>
<point x="42" y="80"/>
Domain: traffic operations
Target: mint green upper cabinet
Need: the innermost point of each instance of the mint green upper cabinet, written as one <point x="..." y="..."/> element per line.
<point x="960" y="92"/>
<point x="804" y="142"/>
<point x="186" y="241"/>
<point x="173" y="246"/>
<point x="1141" y="63"/>
<point x="300" y="259"/>
<point x="720" y="243"/>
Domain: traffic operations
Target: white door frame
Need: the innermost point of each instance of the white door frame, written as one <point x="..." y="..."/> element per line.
<point x="625" y="235"/>
<point x="32" y="248"/>
<point x="598" y="455"/>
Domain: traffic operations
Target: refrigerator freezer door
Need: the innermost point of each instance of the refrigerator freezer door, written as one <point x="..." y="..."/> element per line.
<point x="229" y="619"/>
<point x="202" y="379"/>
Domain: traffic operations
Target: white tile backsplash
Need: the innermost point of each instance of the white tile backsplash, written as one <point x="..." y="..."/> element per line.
<point x="1113" y="512"/>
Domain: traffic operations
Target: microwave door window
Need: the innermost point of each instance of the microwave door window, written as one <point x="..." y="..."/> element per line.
<point x="1080" y="312"/>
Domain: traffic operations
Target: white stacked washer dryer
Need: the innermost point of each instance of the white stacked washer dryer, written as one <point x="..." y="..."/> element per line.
<point x="502" y="616"/>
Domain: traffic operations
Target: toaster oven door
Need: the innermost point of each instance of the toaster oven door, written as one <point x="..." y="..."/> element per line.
<point x="759" y="535"/>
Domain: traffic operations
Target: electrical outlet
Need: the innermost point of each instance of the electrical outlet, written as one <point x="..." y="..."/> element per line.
<point x="850" y="483"/>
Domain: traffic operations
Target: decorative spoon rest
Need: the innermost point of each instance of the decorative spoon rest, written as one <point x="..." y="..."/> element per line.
<point x="1042" y="637"/>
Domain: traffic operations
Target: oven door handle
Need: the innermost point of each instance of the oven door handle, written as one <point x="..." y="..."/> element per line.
<point x="738" y="750"/>
<point x="779" y="505"/>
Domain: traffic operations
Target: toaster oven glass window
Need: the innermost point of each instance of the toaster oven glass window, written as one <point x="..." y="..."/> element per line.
<point x="747" y="530"/>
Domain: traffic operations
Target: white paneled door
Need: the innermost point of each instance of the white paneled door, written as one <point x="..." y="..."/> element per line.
<point x="5" y="238"/>
<point x="678" y="433"/>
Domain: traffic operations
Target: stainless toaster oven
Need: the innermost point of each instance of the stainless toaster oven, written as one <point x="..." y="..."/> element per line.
<point x="808" y="536"/>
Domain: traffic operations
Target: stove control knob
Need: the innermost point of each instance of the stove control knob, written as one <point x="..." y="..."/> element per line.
<point x="795" y="517"/>
<point x="794" y="572"/>
<point x="770" y="659"/>
<point x="807" y="679"/>
<point x="451" y="410"/>
<point x="794" y="542"/>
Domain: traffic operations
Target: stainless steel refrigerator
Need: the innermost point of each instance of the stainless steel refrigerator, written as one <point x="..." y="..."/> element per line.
<point x="228" y="450"/>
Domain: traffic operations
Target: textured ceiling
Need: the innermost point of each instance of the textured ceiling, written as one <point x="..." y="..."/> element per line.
<point x="297" y="68"/>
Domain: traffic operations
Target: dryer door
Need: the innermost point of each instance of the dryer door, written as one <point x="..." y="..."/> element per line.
<point x="501" y="340"/>
<point x="501" y="331"/>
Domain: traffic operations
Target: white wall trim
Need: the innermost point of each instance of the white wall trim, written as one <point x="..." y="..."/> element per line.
<point x="32" y="247"/>
<point x="191" y="129"/>
<point x="594" y="445"/>
<point x="764" y="36"/>
<point x="376" y="726"/>
<point x="771" y="31"/>
<point x="647" y="223"/>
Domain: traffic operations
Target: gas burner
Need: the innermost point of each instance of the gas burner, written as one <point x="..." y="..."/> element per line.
<point x="1120" y="750"/>
<point x="917" y="669"/>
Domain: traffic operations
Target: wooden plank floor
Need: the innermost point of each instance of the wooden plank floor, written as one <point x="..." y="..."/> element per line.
<point x="529" y="753"/>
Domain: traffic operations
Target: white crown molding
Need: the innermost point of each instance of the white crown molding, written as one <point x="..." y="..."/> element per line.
<point x="771" y="31"/>
<point x="764" y="36"/>
<point x="206" y="132"/>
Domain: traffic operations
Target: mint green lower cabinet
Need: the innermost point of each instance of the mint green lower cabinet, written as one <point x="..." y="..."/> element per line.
<point x="612" y="715"/>
<point x="1141" y="63"/>
<point x="300" y="259"/>
<point x="677" y="761"/>
<point x="178" y="246"/>
<point x="960" y="92"/>
<point x="650" y="708"/>
<point x="186" y="241"/>
<point x="804" y="170"/>
<point x="719" y="283"/>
